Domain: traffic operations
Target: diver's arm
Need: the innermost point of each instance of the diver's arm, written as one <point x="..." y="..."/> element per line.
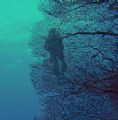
<point x="48" y="45"/>
<point x="45" y="45"/>
<point x="61" y="44"/>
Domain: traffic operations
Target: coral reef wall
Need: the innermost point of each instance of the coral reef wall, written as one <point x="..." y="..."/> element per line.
<point x="90" y="88"/>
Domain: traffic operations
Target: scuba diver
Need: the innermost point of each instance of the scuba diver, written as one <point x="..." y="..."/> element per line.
<point x="55" y="47"/>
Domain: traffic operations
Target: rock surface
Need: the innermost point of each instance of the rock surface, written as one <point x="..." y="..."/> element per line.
<point x="87" y="92"/>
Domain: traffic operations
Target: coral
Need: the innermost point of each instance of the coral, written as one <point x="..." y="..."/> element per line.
<point x="89" y="89"/>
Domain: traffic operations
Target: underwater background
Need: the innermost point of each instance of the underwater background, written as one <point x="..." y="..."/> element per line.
<point x="18" y="100"/>
<point x="29" y="90"/>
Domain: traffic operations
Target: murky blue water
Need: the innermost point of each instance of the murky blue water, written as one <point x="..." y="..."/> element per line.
<point x="18" y="100"/>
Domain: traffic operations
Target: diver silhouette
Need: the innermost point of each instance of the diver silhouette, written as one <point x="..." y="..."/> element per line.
<point x="55" y="47"/>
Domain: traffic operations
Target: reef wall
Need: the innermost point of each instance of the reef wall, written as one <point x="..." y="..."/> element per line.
<point x="89" y="90"/>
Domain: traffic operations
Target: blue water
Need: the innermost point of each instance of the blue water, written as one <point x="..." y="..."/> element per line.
<point x="18" y="100"/>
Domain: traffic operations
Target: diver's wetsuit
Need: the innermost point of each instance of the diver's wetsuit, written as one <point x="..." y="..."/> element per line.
<point x="55" y="47"/>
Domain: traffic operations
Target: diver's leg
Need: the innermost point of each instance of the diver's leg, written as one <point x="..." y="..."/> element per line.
<point x="52" y="58"/>
<point x="64" y="66"/>
<point x="63" y="63"/>
<point x="55" y="62"/>
<point x="56" y="67"/>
